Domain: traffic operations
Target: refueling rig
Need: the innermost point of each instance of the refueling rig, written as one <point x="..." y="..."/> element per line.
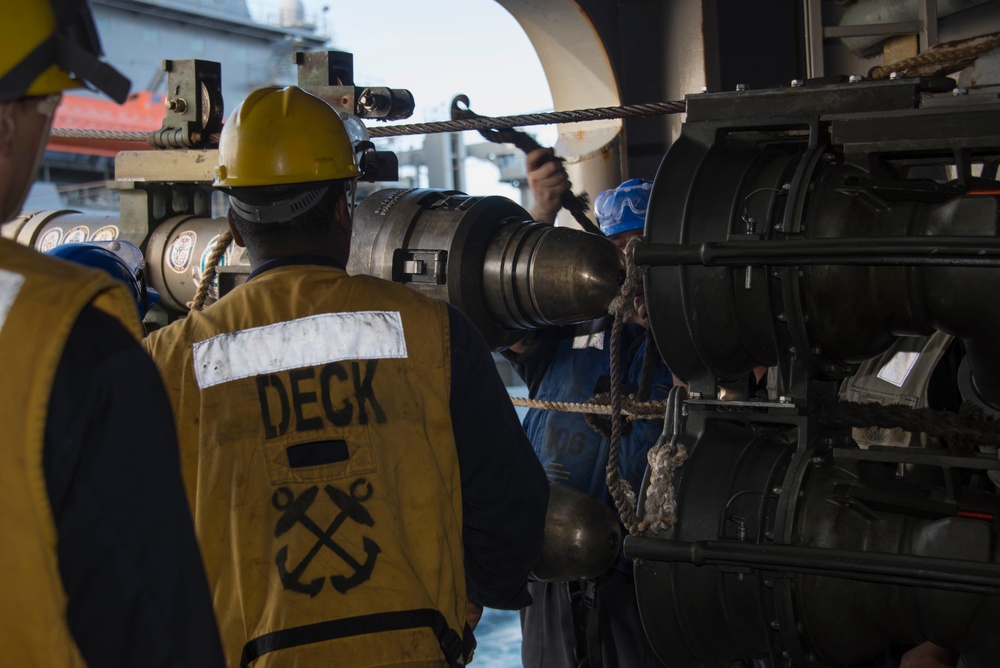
<point x="841" y="232"/>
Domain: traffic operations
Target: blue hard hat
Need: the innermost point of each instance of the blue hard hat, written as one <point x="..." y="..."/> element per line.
<point x="623" y="209"/>
<point x="121" y="259"/>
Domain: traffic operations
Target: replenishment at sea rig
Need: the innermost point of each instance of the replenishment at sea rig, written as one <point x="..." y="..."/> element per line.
<point x="827" y="207"/>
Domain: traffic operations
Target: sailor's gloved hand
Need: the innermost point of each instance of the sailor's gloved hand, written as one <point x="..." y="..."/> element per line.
<point x="548" y="180"/>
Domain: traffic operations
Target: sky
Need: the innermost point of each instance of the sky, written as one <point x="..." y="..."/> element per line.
<point x="437" y="49"/>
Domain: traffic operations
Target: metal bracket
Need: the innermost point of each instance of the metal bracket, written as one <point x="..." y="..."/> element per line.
<point x="419" y="266"/>
<point x="194" y="105"/>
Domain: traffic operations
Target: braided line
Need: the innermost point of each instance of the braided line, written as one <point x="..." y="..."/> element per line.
<point x="942" y="58"/>
<point x="622" y="307"/>
<point x="632" y="410"/>
<point x="964" y="432"/>
<point x="649" y="357"/>
<point x="660" y="508"/>
<point x="218" y="250"/>
<point x="620" y="489"/>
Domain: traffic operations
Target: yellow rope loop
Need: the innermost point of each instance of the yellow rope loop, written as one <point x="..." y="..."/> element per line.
<point x="218" y="250"/>
<point x="942" y="58"/>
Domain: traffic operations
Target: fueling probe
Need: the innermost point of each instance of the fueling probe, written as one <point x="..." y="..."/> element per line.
<point x="807" y="229"/>
<point x="483" y="254"/>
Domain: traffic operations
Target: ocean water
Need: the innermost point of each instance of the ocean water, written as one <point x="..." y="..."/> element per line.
<point x="499" y="640"/>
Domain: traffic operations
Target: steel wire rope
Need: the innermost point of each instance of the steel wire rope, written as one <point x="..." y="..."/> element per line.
<point x="435" y="127"/>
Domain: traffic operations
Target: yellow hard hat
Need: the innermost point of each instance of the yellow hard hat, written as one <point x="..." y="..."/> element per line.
<point x="280" y="136"/>
<point x="48" y="46"/>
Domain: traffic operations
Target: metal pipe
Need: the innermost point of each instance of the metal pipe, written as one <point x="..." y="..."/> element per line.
<point x="954" y="251"/>
<point x="937" y="573"/>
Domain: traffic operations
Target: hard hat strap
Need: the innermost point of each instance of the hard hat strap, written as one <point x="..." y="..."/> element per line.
<point x="14" y="84"/>
<point x="280" y="211"/>
<point x="59" y="50"/>
<point x="85" y="66"/>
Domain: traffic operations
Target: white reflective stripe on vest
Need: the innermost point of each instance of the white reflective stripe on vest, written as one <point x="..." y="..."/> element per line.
<point x="10" y="285"/>
<point x="318" y="339"/>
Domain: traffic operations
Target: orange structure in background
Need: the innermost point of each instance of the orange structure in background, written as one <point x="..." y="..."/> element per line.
<point x="142" y="112"/>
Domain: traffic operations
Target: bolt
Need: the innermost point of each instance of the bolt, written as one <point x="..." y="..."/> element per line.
<point x="368" y="101"/>
<point x="775" y="625"/>
<point x="895" y="75"/>
<point x="783" y="399"/>
<point x="855" y="78"/>
<point x="694" y="395"/>
<point x="178" y="105"/>
<point x="739" y="577"/>
<point x="798" y="83"/>
<point x="770" y="536"/>
<point x="818" y="461"/>
<point x="741" y="87"/>
<point x="960" y="91"/>
<point x="817" y="350"/>
<point x="781" y="316"/>
<point x="793" y="351"/>
<point x="768" y="583"/>
<point x="704" y="89"/>
<point x="776" y="491"/>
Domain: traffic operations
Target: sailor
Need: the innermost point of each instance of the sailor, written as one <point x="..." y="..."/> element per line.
<point x="593" y="622"/>
<point x="360" y="483"/>
<point x="119" y="259"/>
<point x="100" y="562"/>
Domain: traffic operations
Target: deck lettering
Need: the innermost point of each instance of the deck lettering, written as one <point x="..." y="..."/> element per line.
<point x="300" y="401"/>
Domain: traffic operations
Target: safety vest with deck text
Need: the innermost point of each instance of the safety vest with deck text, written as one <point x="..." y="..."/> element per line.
<point x="319" y="459"/>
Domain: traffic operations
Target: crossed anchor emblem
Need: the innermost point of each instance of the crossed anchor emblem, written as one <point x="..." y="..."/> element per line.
<point x="295" y="512"/>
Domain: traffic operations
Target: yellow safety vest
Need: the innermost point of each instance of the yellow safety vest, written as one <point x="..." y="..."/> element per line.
<point x="319" y="458"/>
<point x="40" y="299"/>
